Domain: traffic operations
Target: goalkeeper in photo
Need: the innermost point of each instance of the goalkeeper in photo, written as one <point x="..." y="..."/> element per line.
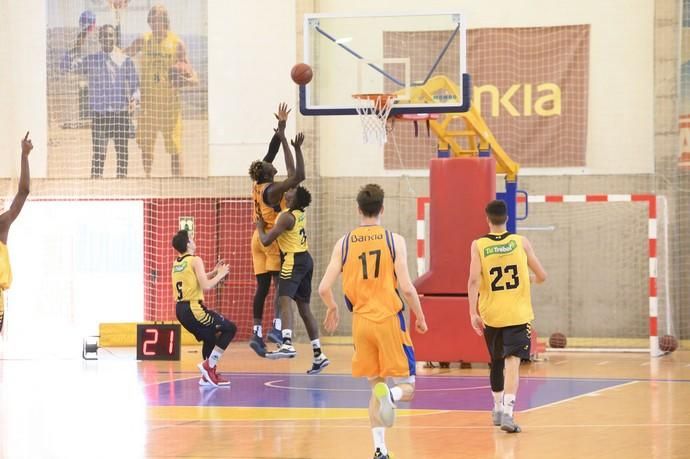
<point x="164" y="70"/>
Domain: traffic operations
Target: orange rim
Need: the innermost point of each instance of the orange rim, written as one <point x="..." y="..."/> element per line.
<point x="380" y="100"/>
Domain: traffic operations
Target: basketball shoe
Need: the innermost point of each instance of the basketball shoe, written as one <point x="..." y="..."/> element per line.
<point x="386" y="405"/>
<point x="318" y="364"/>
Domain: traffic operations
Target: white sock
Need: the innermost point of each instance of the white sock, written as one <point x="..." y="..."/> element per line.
<point x="508" y="403"/>
<point x="258" y="331"/>
<point x="315" y="343"/>
<point x="277" y="324"/>
<point x="396" y="393"/>
<point x="379" y="434"/>
<point x="287" y="334"/>
<point x="498" y="400"/>
<point x="215" y="357"/>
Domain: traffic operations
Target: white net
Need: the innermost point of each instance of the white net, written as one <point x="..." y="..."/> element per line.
<point x="373" y="111"/>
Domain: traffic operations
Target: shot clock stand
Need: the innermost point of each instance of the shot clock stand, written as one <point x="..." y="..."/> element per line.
<point x="90" y="348"/>
<point x="152" y="340"/>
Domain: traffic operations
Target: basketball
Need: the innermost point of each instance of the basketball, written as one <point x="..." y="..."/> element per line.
<point x="668" y="343"/>
<point x="179" y="73"/>
<point x="558" y="340"/>
<point x="301" y="73"/>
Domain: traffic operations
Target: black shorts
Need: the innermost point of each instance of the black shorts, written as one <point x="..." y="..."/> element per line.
<point x="506" y="341"/>
<point x="201" y="322"/>
<point x="295" y="275"/>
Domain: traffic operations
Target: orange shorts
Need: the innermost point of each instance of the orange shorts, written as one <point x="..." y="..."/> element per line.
<point x="265" y="259"/>
<point x="382" y="349"/>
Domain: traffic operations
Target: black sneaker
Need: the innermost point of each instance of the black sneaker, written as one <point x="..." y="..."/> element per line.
<point x="275" y="336"/>
<point x="258" y="345"/>
<point x="379" y="455"/>
<point x="318" y="364"/>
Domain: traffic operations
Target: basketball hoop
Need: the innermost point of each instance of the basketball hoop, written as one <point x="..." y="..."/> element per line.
<point x="373" y="111"/>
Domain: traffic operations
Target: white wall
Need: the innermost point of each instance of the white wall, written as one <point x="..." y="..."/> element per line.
<point x="620" y="121"/>
<point x="252" y="48"/>
<point x="75" y="264"/>
<point x="23" y="85"/>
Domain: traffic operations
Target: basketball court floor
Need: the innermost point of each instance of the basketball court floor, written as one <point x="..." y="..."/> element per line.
<point x="569" y="406"/>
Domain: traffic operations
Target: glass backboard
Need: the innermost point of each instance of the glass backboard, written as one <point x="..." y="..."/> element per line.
<point x="418" y="57"/>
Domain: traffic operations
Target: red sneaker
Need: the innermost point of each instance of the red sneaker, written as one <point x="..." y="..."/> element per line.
<point x="221" y="381"/>
<point x="208" y="373"/>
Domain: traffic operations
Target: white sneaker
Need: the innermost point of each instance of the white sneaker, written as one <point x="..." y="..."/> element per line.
<point x="386" y="405"/>
<point x="285" y="351"/>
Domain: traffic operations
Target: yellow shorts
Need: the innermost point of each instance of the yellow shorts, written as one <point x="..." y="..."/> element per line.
<point x="382" y="349"/>
<point x="157" y="119"/>
<point x="265" y="259"/>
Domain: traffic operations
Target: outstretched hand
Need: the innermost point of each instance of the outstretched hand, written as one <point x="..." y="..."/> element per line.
<point x="222" y="269"/>
<point x="282" y="116"/>
<point x="283" y="112"/>
<point x="299" y="140"/>
<point x="27" y="146"/>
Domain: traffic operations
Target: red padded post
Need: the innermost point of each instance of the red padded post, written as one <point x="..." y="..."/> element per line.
<point x="460" y="189"/>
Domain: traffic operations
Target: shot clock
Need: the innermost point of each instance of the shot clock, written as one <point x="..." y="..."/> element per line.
<point x="158" y="341"/>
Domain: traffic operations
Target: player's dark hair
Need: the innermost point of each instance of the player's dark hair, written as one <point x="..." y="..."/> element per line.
<point x="158" y="10"/>
<point x="180" y="241"/>
<point x="497" y="211"/>
<point x="104" y="27"/>
<point x="370" y="199"/>
<point x="302" y="198"/>
<point x="256" y="171"/>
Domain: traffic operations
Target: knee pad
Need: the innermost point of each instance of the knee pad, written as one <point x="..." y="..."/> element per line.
<point x="496" y="375"/>
<point x="227" y="331"/>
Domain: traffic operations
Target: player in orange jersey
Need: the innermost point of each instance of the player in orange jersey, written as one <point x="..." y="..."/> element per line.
<point x="373" y="262"/>
<point x="269" y="200"/>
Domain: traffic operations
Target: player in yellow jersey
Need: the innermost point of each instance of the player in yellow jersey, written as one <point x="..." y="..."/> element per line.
<point x="6" y="220"/>
<point x="162" y="55"/>
<point x="268" y="196"/>
<point x="501" y="306"/>
<point x="295" y="273"/>
<point x="189" y="280"/>
<point x="373" y="262"/>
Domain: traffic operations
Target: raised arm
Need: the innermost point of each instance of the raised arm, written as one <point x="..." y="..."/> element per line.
<point x="326" y="287"/>
<point x="534" y="263"/>
<point x="8" y="217"/>
<point x="285" y="222"/>
<point x="70" y="62"/>
<point x="407" y="289"/>
<point x="204" y="282"/>
<point x="473" y="284"/>
<point x="277" y="189"/>
<point x="279" y="133"/>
